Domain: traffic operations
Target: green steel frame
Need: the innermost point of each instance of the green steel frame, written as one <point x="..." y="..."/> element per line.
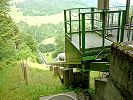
<point x="100" y="22"/>
<point x="93" y="13"/>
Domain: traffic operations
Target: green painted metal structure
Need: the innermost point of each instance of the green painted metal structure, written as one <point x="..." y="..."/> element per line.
<point x="87" y="33"/>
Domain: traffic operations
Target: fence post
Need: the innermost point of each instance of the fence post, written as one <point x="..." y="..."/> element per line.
<point x="66" y="76"/>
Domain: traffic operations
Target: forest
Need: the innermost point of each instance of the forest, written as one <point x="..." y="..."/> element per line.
<point x="12" y="43"/>
<point x="42" y="32"/>
<point x="50" y="7"/>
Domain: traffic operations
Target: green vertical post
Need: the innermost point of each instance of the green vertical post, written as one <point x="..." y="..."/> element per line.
<point x="103" y="26"/>
<point x="112" y="20"/>
<point x="70" y="25"/>
<point x="130" y="28"/>
<point x="92" y="18"/>
<point x="127" y="10"/>
<point x="130" y="22"/>
<point x="65" y="21"/>
<point x="83" y="32"/>
<point x="119" y="22"/>
<point x="123" y="25"/>
<point x="79" y="30"/>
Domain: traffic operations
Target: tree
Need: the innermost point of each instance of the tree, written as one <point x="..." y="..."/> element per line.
<point x="8" y="33"/>
<point x="46" y="48"/>
<point x="14" y="44"/>
<point x="60" y="45"/>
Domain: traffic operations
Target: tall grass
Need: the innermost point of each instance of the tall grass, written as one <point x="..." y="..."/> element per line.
<point x="40" y="83"/>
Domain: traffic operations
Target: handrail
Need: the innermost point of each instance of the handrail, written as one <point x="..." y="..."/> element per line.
<point x="80" y="8"/>
<point x="115" y="7"/>
<point x="95" y="20"/>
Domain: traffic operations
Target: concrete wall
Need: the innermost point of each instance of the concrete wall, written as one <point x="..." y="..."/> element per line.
<point x="120" y="83"/>
<point x="100" y="84"/>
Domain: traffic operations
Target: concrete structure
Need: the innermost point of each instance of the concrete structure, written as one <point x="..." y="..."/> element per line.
<point x="120" y="83"/>
<point x="100" y="84"/>
<point x="66" y="96"/>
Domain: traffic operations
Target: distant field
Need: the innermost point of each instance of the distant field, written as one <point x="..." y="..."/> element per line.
<point x="48" y="40"/>
<point x="36" y="20"/>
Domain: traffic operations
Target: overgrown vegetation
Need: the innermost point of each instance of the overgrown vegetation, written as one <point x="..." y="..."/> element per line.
<point x="8" y="37"/>
<point x="42" y="32"/>
<point x="14" y="45"/>
<point x="46" y="48"/>
<point x="41" y="82"/>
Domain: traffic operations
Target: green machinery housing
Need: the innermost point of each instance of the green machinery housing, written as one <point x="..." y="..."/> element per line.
<point x="89" y="33"/>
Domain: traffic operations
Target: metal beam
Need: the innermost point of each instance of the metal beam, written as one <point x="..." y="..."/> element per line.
<point x="127" y="9"/>
<point x="99" y="66"/>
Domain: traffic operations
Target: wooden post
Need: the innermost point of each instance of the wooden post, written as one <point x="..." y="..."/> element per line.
<point x="77" y="78"/>
<point x="61" y="70"/>
<point x="70" y="76"/>
<point x="51" y="67"/>
<point x="58" y="73"/>
<point x="25" y="72"/>
<point x="86" y="80"/>
<point x="66" y="76"/>
<point x="56" y="70"/>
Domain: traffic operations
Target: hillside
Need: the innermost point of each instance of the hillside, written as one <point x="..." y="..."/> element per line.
<point x="47" y="7"/>
<point x="50" y="7"/>
<point x="36" y="20"/>
<point x="41" y="82"/>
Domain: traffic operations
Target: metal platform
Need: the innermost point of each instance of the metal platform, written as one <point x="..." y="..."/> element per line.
<point x="92" y="40"/>
<point x="89" y="32"/>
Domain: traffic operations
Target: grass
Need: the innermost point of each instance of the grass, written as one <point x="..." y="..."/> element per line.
<point x="48" y="57"/>
<point x="93" y="75"/>
<point x="41" y="82"/>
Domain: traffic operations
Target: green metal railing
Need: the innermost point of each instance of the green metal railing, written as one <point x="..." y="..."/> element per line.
<point x="116" y="8"/>
<point x="130" y="32"/>
<point x="82" y="20"/>
<point x="102" y="30"/>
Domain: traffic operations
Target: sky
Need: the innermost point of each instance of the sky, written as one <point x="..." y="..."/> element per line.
<point x="124" y="1"/>
<point x="121" y="1"/>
